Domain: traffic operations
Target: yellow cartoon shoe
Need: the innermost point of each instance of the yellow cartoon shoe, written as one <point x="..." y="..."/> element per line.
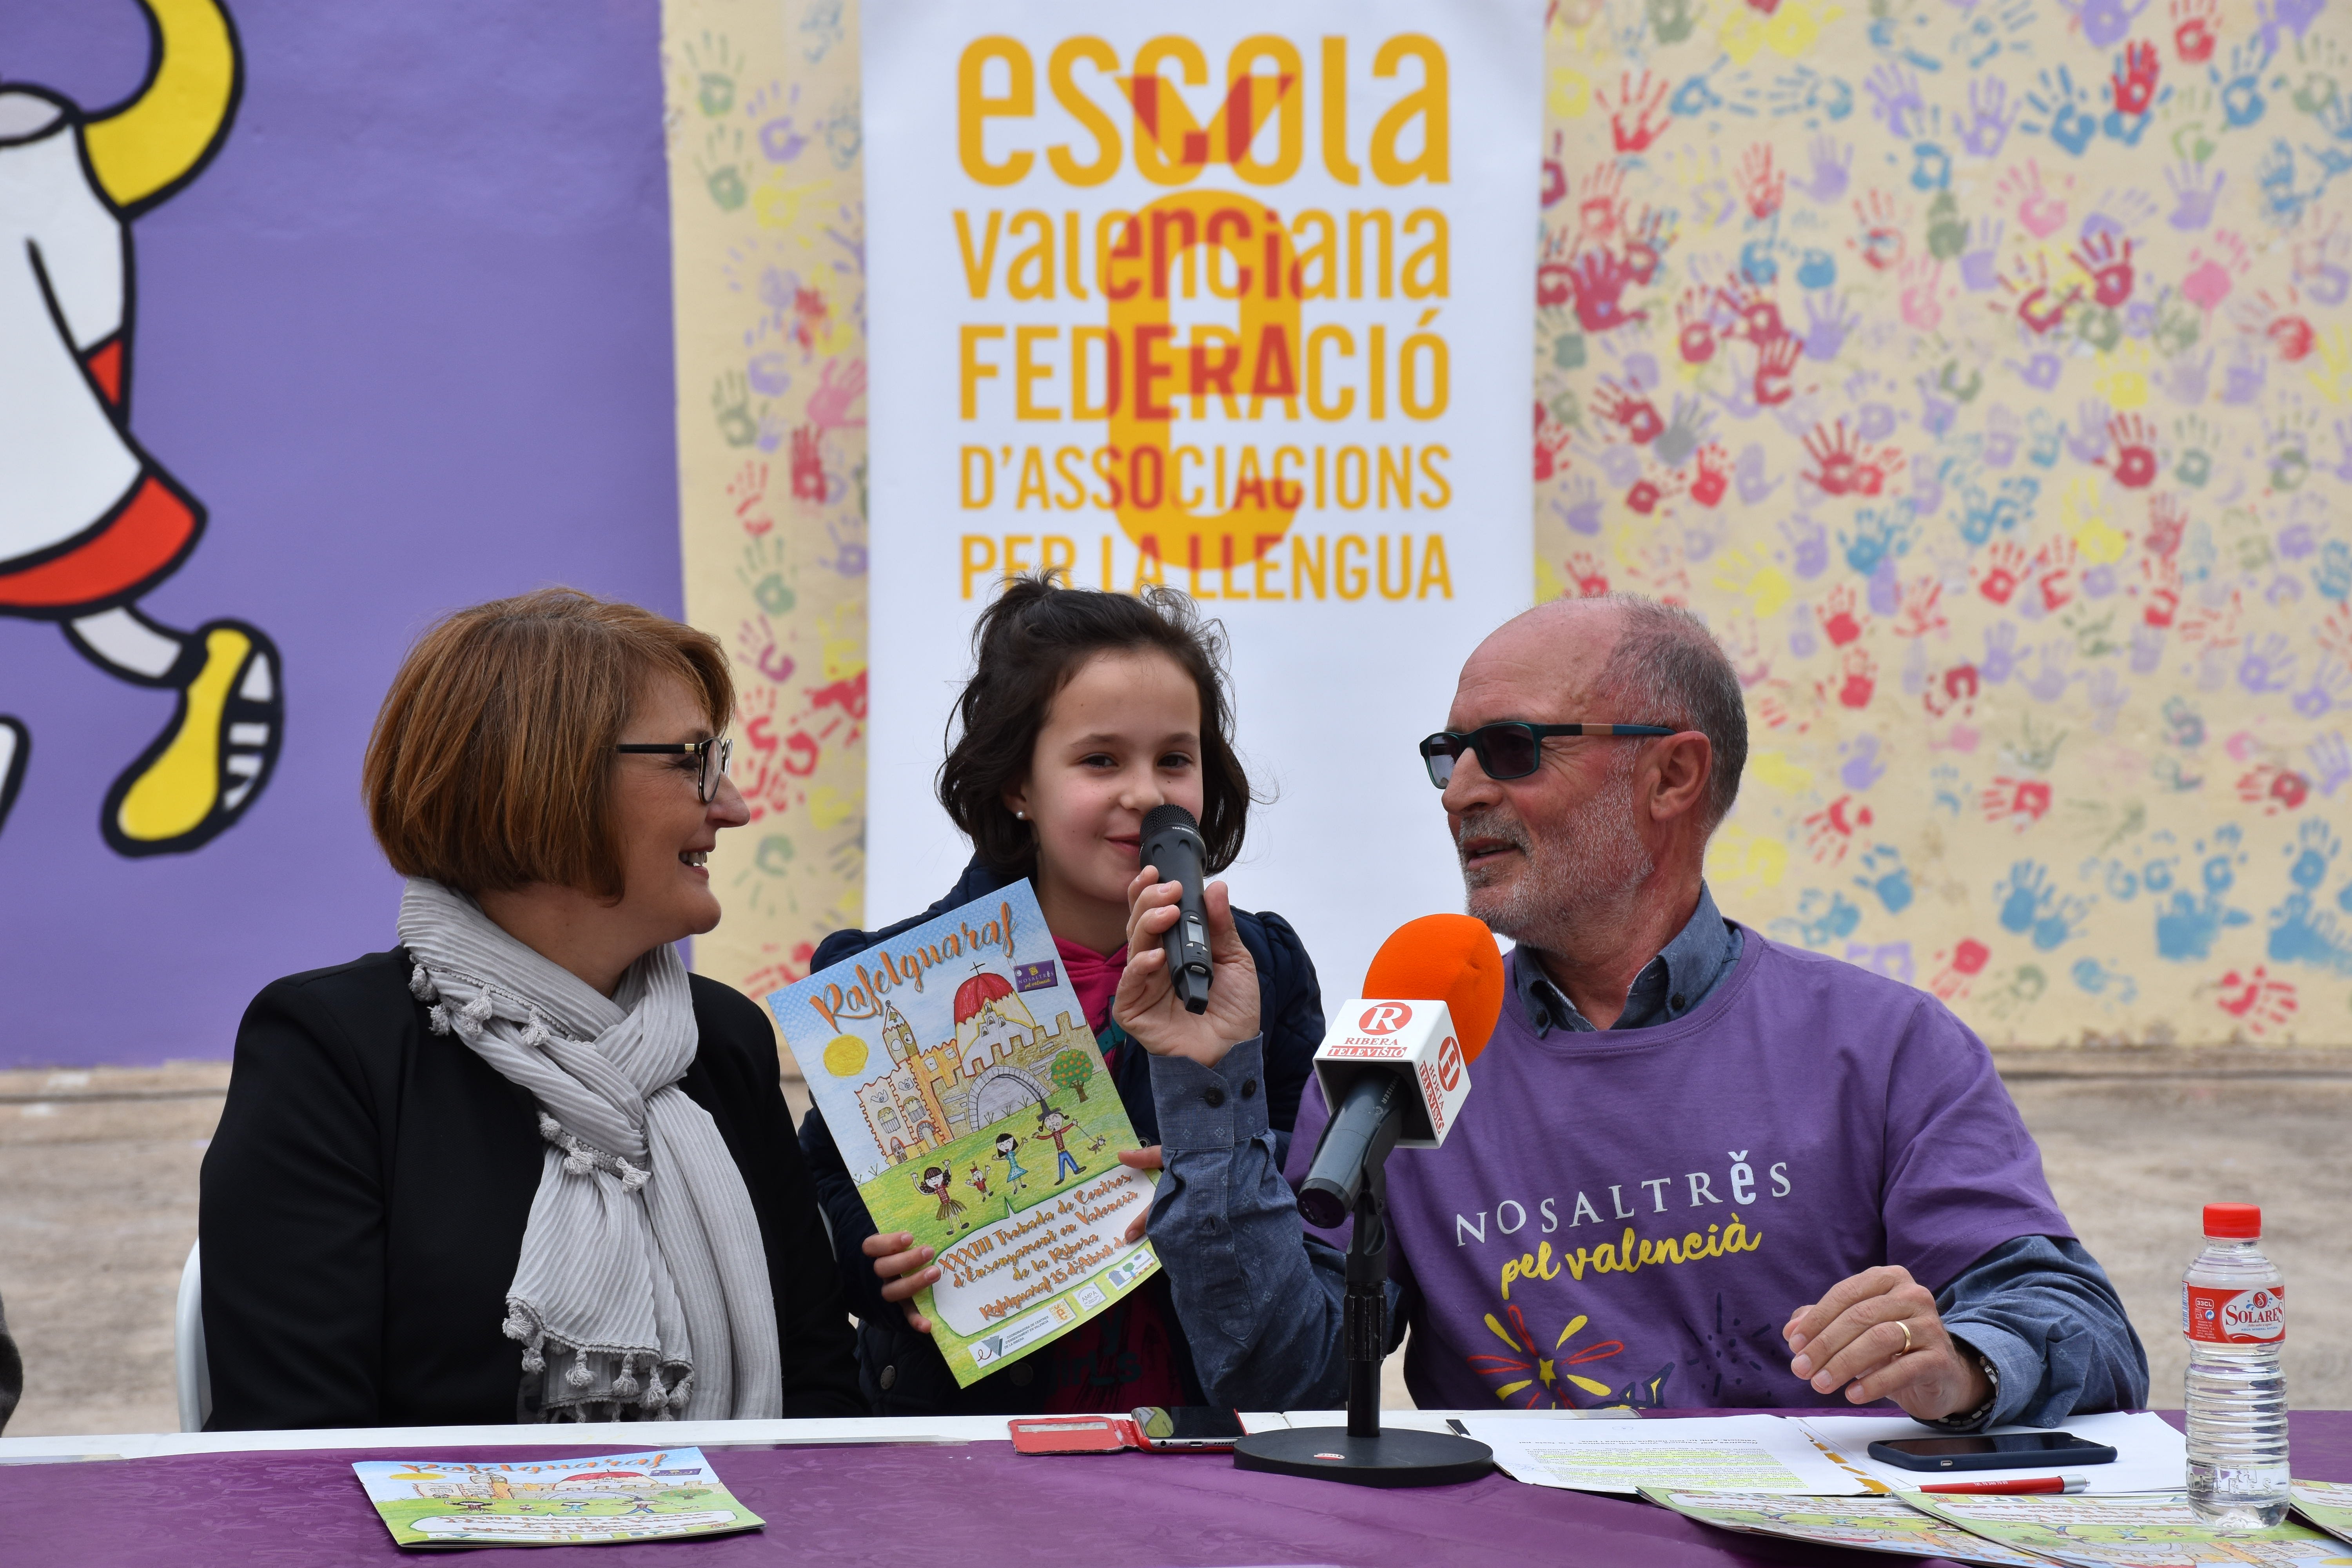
<point x="216" y="754"/>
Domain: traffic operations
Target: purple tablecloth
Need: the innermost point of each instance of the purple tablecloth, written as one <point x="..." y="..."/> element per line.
<point x="916" y="1505"/>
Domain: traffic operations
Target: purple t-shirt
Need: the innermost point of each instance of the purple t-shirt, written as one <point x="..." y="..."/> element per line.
<point x="1632" y="1215"/>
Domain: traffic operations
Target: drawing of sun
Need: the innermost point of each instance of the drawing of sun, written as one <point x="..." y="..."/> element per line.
<point x="844" y="1055"/>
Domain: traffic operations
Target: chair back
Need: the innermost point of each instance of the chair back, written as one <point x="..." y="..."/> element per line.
<point x="192" y="1377"/>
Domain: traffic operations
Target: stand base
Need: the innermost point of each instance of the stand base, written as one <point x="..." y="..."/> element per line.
<point x="1396" y="1458"/>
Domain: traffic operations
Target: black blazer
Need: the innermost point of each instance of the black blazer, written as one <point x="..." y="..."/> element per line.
<point x="902" y="1372"/>
<point x="366" y="1195"/>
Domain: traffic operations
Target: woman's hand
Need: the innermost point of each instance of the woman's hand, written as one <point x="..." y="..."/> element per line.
<point x="1140" y="1160"/>
<point x="1147" y="1006"/>
<point x="897" y="1260"/>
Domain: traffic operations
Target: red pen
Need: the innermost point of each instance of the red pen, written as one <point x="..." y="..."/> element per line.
<point x="2015" y="1488"/>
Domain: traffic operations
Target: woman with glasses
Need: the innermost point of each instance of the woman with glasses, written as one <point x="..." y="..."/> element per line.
<point x="523" y="1166"/>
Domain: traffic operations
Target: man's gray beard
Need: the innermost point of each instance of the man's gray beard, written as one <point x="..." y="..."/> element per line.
<point x="1575" y="886"/>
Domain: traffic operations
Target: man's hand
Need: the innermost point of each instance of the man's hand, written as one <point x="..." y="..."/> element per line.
<point x="1140" y="1160"/>
<point x="1147" y="1006"/>
<point x="1857" y="1335"/>
<point x="897" y="1260"/>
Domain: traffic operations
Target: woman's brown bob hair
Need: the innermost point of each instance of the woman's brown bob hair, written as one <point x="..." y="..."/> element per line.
<point x="491" y="762"/>
<point x="1025" y="648"/>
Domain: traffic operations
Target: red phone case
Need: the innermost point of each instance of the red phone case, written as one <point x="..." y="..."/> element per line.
<point x="1073" y="1434"/>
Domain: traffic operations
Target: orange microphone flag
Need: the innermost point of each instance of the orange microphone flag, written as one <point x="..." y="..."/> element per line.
<point x="1444" y="958"/>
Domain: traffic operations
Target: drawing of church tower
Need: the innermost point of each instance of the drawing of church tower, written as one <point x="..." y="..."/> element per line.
<point x="903" y="1107"/>
<point x="898" y="1035"/>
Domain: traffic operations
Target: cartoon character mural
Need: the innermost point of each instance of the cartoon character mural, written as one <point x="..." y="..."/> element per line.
<point x="90" y="522"/>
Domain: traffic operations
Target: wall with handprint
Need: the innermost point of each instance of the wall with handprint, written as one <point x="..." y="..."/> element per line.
<point x="1982" y="372"/>
<point x="768" y="216"/>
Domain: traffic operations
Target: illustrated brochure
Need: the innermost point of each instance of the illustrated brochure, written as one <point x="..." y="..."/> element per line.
<point x="1864" y="1523"/>
<point x="2327" y="1504"/>
<point x="651" y="1496"/>
<point x="2154" y="1529"/>
<point x="955" y="1068"/>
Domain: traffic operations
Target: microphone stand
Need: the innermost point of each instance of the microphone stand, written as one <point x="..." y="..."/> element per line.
<point x="1364" y="1327"/>
<point x="1361" y="1453"/>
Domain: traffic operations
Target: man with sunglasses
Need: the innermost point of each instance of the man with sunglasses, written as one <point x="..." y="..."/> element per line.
<point x="1698" y="1167"/>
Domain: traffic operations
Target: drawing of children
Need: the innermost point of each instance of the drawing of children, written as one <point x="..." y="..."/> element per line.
<point x="934" y="1183"/>
<point x="976" y="1180"/>
<point x="1008" y="1148"/>
<point x="1057" y="1127"/>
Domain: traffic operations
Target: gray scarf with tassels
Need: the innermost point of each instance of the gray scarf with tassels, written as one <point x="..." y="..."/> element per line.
<point x="642" y="1292"/>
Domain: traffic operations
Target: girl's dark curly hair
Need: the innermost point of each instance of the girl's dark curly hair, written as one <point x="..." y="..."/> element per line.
<point x="1027" y="645"/>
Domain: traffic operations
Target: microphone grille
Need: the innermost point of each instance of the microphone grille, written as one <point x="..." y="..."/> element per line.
<point x="1447" y="958"/>
<point x="1160" y="818"/>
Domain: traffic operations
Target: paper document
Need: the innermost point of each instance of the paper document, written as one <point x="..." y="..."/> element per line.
<point x="1865" y="1523"/>
<point x="1693" y="1453"/>
<point x="2152" y="1530"/>
<point x="2150" y="1457"/>
<point x="651" y="1496"/>
<point x="2327" y="1505"/>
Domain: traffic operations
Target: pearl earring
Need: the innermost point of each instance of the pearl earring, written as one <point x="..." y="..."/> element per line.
<point x="1019" y="817"/>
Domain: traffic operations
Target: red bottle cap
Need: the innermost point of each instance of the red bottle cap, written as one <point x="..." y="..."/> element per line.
<point x="2234" y="1222"/>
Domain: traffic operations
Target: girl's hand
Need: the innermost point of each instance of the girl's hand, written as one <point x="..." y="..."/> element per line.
<point x="1140" y="1160"/>
<point x="897" y="1260"/>
<point x="1146" y="1005"/>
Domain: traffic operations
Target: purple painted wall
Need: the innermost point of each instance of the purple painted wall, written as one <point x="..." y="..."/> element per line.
<point x="408" y="337"/>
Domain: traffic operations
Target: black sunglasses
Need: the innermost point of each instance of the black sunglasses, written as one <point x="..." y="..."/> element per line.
<point x="1511" y="750"/>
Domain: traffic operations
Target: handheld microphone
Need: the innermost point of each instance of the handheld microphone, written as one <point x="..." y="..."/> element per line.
<point x="1394" y="1067"/>
<point x="1171" y="843"/>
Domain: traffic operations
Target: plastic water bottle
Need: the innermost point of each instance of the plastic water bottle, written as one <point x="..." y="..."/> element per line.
<point x="2233" y="1311"/>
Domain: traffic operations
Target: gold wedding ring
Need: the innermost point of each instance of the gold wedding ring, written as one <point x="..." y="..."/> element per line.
<point x="1907" y="1346"/>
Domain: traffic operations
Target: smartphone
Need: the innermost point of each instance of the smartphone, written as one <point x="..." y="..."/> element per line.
<point x="2007" y="1451"/>
<point x="1187" y="1429"/>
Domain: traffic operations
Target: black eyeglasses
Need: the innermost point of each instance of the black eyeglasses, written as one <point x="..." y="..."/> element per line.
<point x="712" y="755"/>
<point x="1511" y="750"/>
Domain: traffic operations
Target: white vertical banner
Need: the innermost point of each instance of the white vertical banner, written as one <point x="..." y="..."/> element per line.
<point x="1237" y="298"/>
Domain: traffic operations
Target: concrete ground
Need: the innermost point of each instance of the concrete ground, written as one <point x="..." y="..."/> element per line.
<point x="98" y="1206"/>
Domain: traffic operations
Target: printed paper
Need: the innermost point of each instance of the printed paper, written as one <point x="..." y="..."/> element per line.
<point x="2150" y="1455"/>
<point x="2327" y="1505"/>
<point x="956" y="1072"/>
<point x="651" y="1496"/>
<point x="1866" y="1523"/>
<point x="2157" y="1531"/>
<point x="1700" y="1453"/>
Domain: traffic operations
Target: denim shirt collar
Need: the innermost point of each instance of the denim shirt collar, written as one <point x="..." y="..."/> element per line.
<point x="1669" y="986"/>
